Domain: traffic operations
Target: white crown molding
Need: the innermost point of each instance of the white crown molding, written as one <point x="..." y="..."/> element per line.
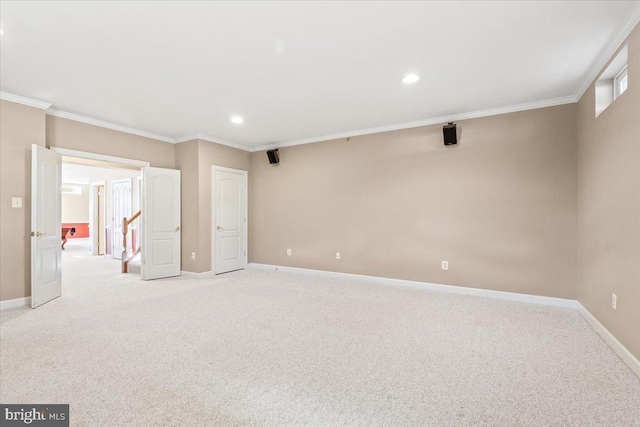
<point x="360" y="132"/>
<point x="426" y="122"/>
<point x="107" y="125"/>
<point x="186" y="138"/>
<point x="597" y="66"/>
<point x="25" y="101"/>
<point x="213" y="139"/>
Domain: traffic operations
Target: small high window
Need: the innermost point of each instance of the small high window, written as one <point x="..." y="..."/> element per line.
<point x="621" y="82"/>
<point x="613" y="81"/>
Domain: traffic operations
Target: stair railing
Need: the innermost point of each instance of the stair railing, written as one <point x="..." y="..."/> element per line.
<point x="125" y="230"/>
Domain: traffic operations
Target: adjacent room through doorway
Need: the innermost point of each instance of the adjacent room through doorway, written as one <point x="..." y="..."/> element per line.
<point x="96" y="197"/>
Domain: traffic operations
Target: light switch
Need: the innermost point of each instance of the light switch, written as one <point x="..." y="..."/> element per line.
<point x="16" y="202"/>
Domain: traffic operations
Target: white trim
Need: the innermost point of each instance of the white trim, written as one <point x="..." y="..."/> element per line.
<point x="100" y="157"/>
<point x="426" y="122"/>
<point x="629" y="359"/>
<point x="624" y="73"/>
<point x="192" y="275"/>
<point x="605" y="55"/>
<point x="16" y="302"/>
<point x="24" y="101"/>
<point x="215" y="168"/>
<point x="213" y="139"/>
<point x="186" y="138"/>
<point x="108" y="125"/>
<point x="512" y="296"/>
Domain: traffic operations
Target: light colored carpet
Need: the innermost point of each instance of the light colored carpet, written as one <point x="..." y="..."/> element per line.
<point x="270" y="348"/>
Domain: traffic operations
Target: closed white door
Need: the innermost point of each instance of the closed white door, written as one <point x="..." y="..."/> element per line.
<point x="46" y="224"/>
<point x="160" y="223"/>
<point x="229" y="219"/>
<point x="120" y="208"/>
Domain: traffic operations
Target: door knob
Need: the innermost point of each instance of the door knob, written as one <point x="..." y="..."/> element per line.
<point x="37" y="234"/>
<point x="219" y="228"/>
<point x="177" y="229"/>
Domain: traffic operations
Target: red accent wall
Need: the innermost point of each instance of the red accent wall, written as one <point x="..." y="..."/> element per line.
<point x="82" y="229"/>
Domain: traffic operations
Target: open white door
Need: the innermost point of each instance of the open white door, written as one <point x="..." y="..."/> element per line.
<point x="46" y="224"/>
<point x="121" y="208"/>
<point x="229" y="197"/>
<point x="160" y="223"/>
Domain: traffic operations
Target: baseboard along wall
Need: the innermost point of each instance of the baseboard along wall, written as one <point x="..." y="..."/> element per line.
<point x="627" y="357"/>
<point x="16" y="302"/>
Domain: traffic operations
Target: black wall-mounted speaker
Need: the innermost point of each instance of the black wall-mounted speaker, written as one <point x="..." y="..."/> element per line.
<point x="450" y="134"/>
<point x="274" y="157"/>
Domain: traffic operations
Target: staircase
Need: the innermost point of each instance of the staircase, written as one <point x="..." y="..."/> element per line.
<point x="130" y="263"/>
<point x="135" y="264"/>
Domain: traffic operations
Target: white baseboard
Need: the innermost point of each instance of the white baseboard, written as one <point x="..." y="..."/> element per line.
<point x="629" y="359"/>
<point x="192" y="275"/>
<point x="13" y="303"/>
<point x="532" y="299"/>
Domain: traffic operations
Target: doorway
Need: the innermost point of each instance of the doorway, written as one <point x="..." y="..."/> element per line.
<point x="158" y="202"/>
<point x="229" y="219"/>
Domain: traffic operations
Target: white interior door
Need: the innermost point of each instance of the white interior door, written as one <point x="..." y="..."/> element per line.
<point x="160" y="223"/>
<point x="46" y="224"/>
<point x="230" y="219"/>
<point x="121" y="207"/>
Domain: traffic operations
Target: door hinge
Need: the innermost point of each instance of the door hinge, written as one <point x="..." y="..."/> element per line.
<point x="245" y="253"/>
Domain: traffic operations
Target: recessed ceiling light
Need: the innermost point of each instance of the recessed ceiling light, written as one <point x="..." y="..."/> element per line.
<point x="410" y="78"/>
<point x="237" y="120"/>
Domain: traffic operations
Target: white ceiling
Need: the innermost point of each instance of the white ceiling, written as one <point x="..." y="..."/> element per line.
<point x="299" y="71"/>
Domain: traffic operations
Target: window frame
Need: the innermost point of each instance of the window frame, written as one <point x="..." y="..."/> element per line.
<point x="623" y="74"/>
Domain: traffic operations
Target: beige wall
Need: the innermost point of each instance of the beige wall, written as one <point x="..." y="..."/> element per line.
<point x="500" y="207"/>
<point x="20" y="126"/>
<point x="64" y="133"/>
<point x="609" y="207"/>
<point x="194" y="159"/>
<point x="187" y="162"/>
<point x="75" y="207"/>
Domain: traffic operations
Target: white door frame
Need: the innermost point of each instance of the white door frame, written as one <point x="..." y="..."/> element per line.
<point x="213" y="213"/>
<point x="94" y="224"/>
<point x="101" y="157"/>
<point x="65" y="152"/>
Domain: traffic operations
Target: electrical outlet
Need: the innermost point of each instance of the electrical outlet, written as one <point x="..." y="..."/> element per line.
<point x="193" y="256"/>
<point x="16" y="202"/>
<point x="614" y="301"/>
<point x="289" y="252"/>
<point x="337" y="255"/>
<point x="445" y="265"/>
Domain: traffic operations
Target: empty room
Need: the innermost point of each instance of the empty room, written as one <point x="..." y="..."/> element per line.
<point x="320" y="213"/>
